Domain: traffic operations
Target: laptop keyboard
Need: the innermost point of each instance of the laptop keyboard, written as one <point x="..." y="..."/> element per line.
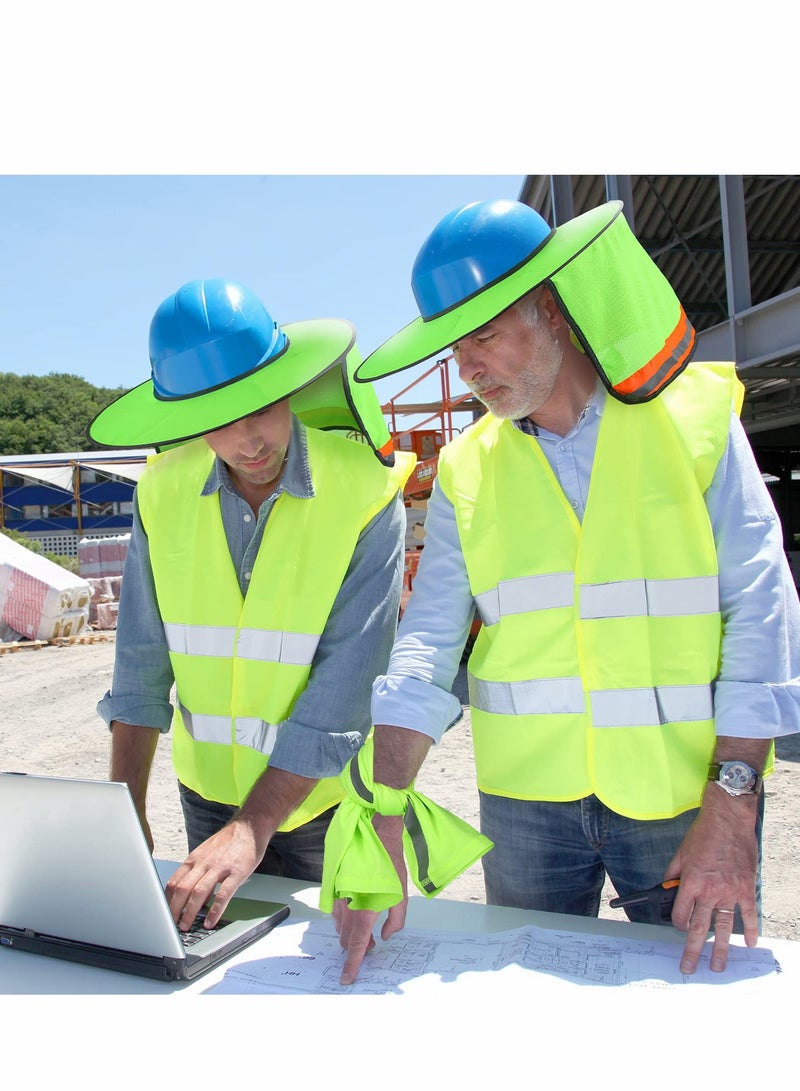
<point x="194" y="935"/>
<point x="197" y="931"/>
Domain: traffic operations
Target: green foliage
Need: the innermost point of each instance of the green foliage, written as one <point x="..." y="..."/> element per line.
<point x="21" y="539"/>
<point x="44" y="414"/>
<point x="71" y="564"/>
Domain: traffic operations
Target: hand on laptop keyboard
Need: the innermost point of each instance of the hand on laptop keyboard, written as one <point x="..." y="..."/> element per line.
<point x="198" y="930"/>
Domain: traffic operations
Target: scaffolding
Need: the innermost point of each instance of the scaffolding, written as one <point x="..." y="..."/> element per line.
<point x="427" y="442"/>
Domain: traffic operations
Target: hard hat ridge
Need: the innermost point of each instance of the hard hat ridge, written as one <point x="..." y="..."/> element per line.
<point x="470" y="249"/>
<point x="207" y="334"/>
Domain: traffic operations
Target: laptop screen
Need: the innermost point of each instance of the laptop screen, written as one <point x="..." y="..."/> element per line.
<point x="77" y="866"/>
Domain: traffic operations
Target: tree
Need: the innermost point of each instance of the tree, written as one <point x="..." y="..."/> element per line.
<point x="43" y="414"/>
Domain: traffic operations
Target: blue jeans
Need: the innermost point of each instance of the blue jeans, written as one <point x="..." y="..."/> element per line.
<point x="556" y="856"/>
<point x="296" y="854"/>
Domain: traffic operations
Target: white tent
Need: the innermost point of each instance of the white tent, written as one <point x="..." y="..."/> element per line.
<point x="59" y="469"/>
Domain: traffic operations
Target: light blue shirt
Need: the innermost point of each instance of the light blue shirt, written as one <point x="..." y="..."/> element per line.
<point x="331" y="717"/>
<point x="757" y="693"/>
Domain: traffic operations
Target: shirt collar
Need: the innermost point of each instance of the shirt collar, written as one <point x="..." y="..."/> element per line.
<point x="594" y="407"/>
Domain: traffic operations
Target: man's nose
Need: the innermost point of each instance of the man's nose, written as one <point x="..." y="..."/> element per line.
<point x="248" y="436"/>
<point x="470" y="364"/>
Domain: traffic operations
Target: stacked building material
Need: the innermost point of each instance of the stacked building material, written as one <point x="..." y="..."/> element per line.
<point x="105" y="601"/>
<point x="101" y="561"/>
<point x="102" y="556"/>
<point x="39" y="599"/>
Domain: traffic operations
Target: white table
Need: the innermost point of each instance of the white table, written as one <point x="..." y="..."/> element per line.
<point x="580" y="1031"/>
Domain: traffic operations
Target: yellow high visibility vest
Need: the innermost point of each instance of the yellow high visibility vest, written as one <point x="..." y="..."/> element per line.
<point x="593" y="670"/>
<point x="241" y="662"/>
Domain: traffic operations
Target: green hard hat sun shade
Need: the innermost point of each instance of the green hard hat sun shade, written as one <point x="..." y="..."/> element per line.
<point x="622" y="309"/>
<point x="334" y="401"/>
<point x="315" y="372"/>
<point x="625" y="314"/>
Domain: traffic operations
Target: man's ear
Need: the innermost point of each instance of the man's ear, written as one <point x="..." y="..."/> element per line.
<point x="549" y="308"/>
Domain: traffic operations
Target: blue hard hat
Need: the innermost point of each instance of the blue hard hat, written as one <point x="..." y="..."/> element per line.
<point x="207" y="334"/>
<point x="470" y="249"/>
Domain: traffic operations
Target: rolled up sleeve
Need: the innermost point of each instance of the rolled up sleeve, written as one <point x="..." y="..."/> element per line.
<point x="143" y="678"/>
<point x="757" y="692"/>
<point x="416" y="692"/>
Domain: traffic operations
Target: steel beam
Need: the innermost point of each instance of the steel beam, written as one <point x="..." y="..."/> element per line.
<point x="561" y="198"/>
<point x="620" y="188"/>
<point x="768" y="332"/>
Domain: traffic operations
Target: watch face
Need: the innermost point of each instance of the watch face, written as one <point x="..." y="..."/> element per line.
<point x="736" y="775"/>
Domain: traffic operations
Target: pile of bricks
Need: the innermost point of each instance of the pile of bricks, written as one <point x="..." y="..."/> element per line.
<point x="101" y="561"/>
<point x="104" y="603"/>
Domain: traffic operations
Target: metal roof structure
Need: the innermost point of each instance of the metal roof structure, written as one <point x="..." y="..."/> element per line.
<point x="730" y="247"/>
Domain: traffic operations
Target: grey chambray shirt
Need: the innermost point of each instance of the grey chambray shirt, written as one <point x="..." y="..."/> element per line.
<point x="331" y="718"/>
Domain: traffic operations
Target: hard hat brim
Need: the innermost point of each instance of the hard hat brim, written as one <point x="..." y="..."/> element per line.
<point x="139" y="419"/>
<point x="422" y="339"/>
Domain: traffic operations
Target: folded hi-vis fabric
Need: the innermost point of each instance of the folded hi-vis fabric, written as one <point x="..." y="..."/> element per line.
<point x="438" y="845"/>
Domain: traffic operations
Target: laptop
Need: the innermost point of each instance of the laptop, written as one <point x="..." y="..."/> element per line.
<point x="78" y="882"/>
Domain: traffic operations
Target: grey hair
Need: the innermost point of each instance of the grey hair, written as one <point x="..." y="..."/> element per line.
<point x="528" y="306"/>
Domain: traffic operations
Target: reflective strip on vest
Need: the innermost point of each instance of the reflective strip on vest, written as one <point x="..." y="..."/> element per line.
<point x="519" y="596"/>
<point x="249" y="730"/>
<point x="277" y="647"/>
<point x="268" y="646"/>
<point x="537" y="696"/>
<point x="610" y="708"/>
<point x="650" y="707"/>
<point x="623" y="598"/>
<point x="650" y="598"/>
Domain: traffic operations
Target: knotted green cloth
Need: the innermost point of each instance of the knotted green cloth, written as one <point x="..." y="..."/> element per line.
<point x="438" y="845"/>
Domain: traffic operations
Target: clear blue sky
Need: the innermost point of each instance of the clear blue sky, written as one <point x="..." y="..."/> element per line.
<point x="88" y="258"/>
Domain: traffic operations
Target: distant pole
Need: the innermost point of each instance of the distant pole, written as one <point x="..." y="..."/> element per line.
<point x="76" y="490"/>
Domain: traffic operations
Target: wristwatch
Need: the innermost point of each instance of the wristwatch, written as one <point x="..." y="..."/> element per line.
<point x="737" y="778"/>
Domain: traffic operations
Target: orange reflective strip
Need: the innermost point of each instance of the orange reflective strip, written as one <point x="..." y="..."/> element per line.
<point x="675" y="353"/>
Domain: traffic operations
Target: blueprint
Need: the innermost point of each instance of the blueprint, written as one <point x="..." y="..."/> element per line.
<point x="305" y="958"/>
